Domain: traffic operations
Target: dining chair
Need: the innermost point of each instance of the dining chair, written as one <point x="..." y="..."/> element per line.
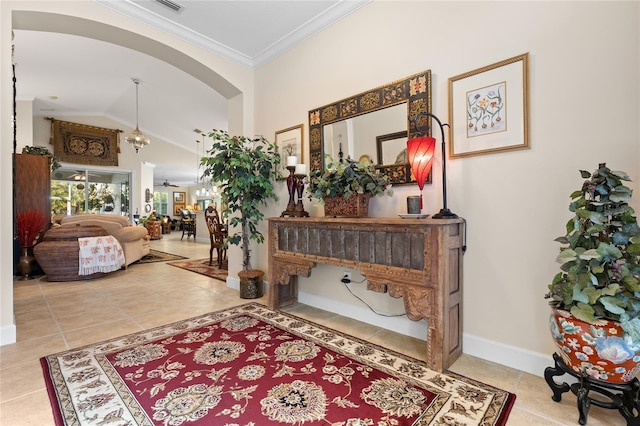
<point x="188" y="224"/>
<point x="216" y="235"/>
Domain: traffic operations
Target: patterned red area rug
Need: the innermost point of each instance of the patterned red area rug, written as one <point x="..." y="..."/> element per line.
<point x="201" y="266"/>
<point x="252" y="366"/>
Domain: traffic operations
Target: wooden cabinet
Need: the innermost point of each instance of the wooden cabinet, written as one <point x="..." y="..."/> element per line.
<point x="31" y="189"/>
<point x="419" y="260"/>
<point x="32" y="183"/>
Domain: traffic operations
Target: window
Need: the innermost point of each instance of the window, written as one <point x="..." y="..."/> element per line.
<point x="75" y="191"/>
<point x="161" y="203"/>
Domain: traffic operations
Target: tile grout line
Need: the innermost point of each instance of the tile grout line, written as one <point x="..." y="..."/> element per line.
<point x="53" y="315"/>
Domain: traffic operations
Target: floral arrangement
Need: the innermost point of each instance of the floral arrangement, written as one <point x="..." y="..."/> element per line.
<point x="30" y="224"/>
<point x="347" y="178"/>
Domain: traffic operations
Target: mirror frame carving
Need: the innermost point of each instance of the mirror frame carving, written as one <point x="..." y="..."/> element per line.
<point x="414" y="90"/>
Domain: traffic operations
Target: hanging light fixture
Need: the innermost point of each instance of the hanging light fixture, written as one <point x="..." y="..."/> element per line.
<point x="197" y="168"/>
<point x="136" y="138"/>
<point x="200" y="191"/>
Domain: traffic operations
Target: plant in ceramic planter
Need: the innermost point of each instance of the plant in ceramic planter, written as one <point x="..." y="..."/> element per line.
<point x="347" y="179"/>
<point x="599" y="279"/>
<point x="246" y="169"/>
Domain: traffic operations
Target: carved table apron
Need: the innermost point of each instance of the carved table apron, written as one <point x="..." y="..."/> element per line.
<point x="419" y="260"/>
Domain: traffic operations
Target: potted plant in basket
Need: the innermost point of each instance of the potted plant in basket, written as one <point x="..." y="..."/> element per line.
<point x="247" y="169"/>
<point x="348" y="180"/>
<point x="595" y="297"/>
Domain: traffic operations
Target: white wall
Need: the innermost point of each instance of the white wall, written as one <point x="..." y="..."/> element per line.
<point x="584" y="109"/>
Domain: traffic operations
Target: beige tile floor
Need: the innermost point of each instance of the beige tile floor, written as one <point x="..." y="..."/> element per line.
<point x="53" y="317"/>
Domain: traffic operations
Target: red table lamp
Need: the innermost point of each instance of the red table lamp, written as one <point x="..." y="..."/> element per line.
<point x="420" y="151"/>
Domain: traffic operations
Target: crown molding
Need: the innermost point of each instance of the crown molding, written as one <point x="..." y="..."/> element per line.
<point x="338" y="11"/>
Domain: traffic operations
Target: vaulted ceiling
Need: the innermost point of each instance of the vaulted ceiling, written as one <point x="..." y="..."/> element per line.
<point x="67" y="75"/>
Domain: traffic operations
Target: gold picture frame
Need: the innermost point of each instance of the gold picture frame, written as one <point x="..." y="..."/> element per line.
<point x="290" y="141"/>
<point x="178" y="197"/>
<point x="489" y="107"/>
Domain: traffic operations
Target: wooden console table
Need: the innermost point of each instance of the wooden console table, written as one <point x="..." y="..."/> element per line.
<point x="419" y="260"/>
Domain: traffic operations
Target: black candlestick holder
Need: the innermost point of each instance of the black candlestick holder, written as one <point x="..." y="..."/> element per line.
<point x="299" y="208"/>
<point x="291" y="186"/>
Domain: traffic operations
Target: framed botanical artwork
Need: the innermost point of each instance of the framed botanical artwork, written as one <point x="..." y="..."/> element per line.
<point x="177" y="208"/>
<point x="290" y="143"/>
<point x="488" y="108"/>
<point x="178" y="197"/>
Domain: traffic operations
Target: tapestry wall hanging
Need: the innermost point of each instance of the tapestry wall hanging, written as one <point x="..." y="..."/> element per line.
<point x="83" y="144"/>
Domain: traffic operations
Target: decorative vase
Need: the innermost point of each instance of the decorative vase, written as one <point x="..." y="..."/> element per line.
<point x="26" y="262"/>
<point x="354" y="206"/>
<point x="600" y="349"/>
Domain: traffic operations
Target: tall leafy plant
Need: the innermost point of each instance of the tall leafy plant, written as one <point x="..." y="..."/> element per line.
<point x="246" y="169"/>
<point x="600" y="264"/>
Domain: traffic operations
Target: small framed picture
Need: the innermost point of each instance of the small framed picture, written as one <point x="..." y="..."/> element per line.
<point x="488" y="108"/>
<point x="178" y="197"/>
<point x="177" y="208"/>
<point x="290" y="144"/>
<point x="392" y="148"/>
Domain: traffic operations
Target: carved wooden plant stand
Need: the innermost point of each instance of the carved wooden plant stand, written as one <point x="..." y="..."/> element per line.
<point x="620" y="396"/>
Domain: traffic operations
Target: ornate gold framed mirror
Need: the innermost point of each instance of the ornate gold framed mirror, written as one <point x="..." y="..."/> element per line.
<point x="352" y="127"/>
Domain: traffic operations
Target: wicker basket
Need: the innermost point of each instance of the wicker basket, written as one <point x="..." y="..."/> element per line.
<point x="58" y="252"/>
<point x="354" y="206"/>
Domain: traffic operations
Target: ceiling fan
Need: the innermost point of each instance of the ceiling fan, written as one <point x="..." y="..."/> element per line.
<point x="166" y="183"/>
<point x="80" y="175"/>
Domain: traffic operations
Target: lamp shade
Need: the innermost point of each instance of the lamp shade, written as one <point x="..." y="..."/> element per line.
<point x="420" y="152"/>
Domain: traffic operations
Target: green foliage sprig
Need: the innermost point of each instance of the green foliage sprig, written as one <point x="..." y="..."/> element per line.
<point x="346" y="179"/>
<point x="246" y="169"/>
<point x="600" y="266"/>
<point x="41" y="150"/>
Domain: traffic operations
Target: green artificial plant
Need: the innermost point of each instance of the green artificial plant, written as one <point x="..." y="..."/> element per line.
<point x="41" y="150"/>
<point x="346" y="179"/>
<point x="600" y="264"/>
<point x="246" y="169"/>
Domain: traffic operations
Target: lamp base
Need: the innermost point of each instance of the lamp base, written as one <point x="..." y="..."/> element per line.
<point x="445" y="214"/>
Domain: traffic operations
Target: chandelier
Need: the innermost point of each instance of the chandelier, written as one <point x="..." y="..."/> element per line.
<point x="136" y="138"/>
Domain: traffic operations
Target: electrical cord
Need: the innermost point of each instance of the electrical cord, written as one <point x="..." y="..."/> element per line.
<point x="347" y="281"/>
<point x="366" y="304"/>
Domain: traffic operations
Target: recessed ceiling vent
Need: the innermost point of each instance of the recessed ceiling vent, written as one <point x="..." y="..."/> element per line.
<point x="171" y="5"/>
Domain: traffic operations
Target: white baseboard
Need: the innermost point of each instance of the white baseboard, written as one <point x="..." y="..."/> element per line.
<point x="8" y="334"/>
<point x="507" y="355"/>
<point x="510" y="356"/>
<point x="403" y="325"/>
<point x="233" y="282"/>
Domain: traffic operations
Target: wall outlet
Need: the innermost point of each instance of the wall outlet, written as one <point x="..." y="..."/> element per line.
<point x="346" y="277"/>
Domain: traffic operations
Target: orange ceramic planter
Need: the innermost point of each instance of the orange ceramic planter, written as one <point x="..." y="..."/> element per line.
<point x="600" y="349"/>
